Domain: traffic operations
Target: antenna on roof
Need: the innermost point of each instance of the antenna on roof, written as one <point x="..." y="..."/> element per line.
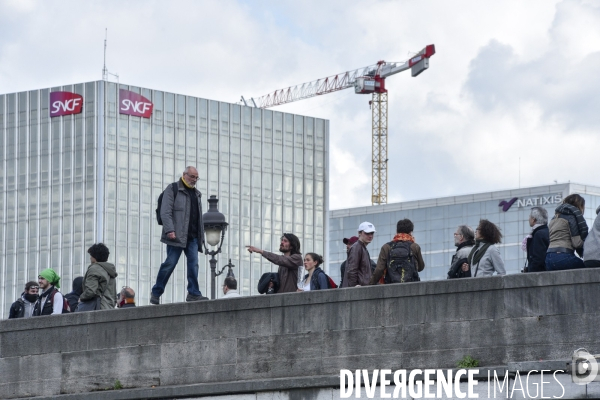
<point x="105" y="72"/>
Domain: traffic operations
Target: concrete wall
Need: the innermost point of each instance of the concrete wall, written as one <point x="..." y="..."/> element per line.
<point x="300" y="340"/>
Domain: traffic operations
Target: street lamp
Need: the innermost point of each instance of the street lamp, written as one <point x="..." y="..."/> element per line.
<point x="214" y="231"/>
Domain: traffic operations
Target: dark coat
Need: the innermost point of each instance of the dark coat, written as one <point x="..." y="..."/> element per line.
<point x="537" y="245"/>
<point x="175" y="215"/>
<point x="318" y="280"/>
<point x="358" y="266"/>
<point x="288" y="270"/>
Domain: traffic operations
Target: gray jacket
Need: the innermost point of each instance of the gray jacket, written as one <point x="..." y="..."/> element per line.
<point x="176" y="216"/>
<point x="490" y="262"/>
<point x="591" y="247"/>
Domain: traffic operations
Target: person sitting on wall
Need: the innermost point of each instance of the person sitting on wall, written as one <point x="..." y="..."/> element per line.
<point x="537" y="242"/>
<point x="484" y="258"/>
<point x="568" y="231"/>
<point x="464" y="240"/>
<point x="591" y="247"/>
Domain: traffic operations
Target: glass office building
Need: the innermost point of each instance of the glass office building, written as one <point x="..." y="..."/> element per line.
<point x="80" y="169"/>
<point x="436" y="221"/>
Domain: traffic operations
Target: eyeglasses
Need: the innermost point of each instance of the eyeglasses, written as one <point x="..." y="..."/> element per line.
<point x="194" y="177"/>
<point x="34" y="288"/>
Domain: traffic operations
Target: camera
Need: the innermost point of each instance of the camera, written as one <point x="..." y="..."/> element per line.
<point x="584" y="367"/>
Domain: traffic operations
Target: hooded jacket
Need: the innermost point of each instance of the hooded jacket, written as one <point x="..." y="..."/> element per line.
<point x="591" y="247"/>
<point x="73" y="297"/>
<point x="22" y="308"/>
<point x="99" y="281"/>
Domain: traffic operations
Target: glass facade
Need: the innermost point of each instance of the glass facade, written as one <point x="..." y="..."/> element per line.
<point x="70" y="181"/>
<point x="436" y="221"/>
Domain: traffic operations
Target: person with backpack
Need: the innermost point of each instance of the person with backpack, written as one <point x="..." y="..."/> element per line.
<point x="23" y="307"/>
<point x="400" y="260"/>
<point x="464" y="240"/>
<point x="51" y="301"/>
<point x="316" y="279"/>
<point x="99" y="283"/>
<point x="182" y="232"/>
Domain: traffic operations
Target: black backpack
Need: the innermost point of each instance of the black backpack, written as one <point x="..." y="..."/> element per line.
<point x="401" y="266"/>
<point x="175" y="189"/>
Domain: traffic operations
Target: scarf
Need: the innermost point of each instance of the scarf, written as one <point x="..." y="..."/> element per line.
<point x="403" y="237"/>
<point x="186" y="184"/>
<point x="477" y="252"/>
<point x="568" y="209"/>
<point x="51" y="276"/>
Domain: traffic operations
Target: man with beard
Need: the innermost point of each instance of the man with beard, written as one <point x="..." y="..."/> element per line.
<point x="51" y="301"/>
<point x="288" y="263"/>
<point x="182" y="232"/>
<point x="464" y="240"/>
<point x="23" y="307"/>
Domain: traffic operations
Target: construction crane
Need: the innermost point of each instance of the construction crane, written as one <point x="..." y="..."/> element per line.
<point x="365" y="80"/>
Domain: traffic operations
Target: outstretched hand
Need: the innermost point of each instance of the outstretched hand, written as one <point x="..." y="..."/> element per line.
<point x="252" y="249"/>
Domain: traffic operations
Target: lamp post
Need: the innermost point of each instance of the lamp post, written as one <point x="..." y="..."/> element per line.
<point x="214" y="231"/>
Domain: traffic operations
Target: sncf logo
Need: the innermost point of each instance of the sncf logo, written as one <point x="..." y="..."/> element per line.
<point x="134" y="104"/>
<point x="65" y="103"/>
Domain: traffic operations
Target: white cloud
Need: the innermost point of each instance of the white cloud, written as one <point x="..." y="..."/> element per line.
<point x="509" y="78"/>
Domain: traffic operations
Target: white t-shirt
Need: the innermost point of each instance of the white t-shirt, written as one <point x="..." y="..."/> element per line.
<point x="306" y="287"/>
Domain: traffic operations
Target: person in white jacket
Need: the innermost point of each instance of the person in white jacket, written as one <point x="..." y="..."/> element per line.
<point x="230" y="288"/>
<point x="484" y="259"/>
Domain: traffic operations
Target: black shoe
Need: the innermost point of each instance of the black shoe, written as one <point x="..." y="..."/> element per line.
<point x="271" y="291"/>
<point x="154" y="300"/>
<point x="191" y="297"/>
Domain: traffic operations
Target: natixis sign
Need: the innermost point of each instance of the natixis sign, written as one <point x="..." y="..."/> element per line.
<point x="530" y="201"/>
<point x="131" y="103"/>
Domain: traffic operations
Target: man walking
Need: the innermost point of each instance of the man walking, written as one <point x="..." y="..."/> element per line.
<point x="348" y="242"/>
<point x="400" y="259"/>
<point x="464" y="240"/>
<point x="358" y="265"/>
<point x="288" y="263"/>
<point x="181" y="214"/>
<point x="99" y="284"/>
<point x="51" y="301"/>
<point x="537" y="243"/>
<point x="23" y="307"/>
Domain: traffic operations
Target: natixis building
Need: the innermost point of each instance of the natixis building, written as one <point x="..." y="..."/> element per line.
<point x="436" y="221"/>
<point x="86" y="163"/>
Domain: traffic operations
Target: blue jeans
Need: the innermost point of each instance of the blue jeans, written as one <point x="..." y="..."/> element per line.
<point x="166" y="268"/>
<point x="562" y="261"/>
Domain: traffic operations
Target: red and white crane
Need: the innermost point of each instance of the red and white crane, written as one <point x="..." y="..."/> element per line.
<point x="365" y="80"/>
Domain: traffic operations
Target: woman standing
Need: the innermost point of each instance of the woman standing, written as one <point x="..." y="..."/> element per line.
<point x="484" y="259"/>
<point x="568" y="230"/>
<point x="316" y="278"/>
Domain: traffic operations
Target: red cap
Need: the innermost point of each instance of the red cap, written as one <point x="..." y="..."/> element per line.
<point x="351" y="240"/>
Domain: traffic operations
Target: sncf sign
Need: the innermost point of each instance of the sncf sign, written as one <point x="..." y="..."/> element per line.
<point x="65" y="103"/>
<point x="134" y="104"/>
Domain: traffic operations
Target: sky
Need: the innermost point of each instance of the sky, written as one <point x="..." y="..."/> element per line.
<point x="511" y="98"/>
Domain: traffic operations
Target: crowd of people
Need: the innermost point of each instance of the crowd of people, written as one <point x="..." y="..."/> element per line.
<point x="564" y="242"/>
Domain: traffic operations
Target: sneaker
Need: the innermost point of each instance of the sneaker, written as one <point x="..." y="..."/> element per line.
<point x="191" y="297"/>
<point x="154" y="300"/>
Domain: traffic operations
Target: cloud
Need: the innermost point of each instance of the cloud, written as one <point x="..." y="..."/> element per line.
<point x="510" y="79"/>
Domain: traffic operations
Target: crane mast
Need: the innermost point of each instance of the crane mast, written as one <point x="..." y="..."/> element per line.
<point x="367" y="80"/>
